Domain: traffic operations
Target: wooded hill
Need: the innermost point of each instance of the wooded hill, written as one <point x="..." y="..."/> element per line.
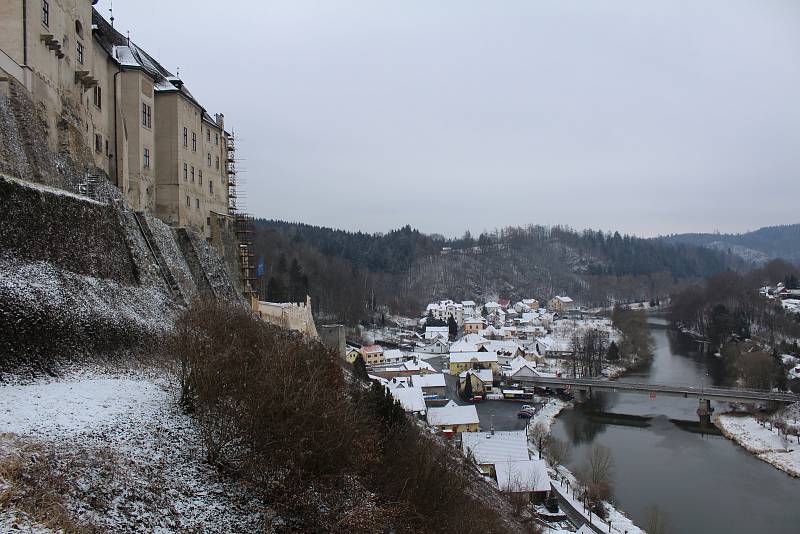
<point x="352" y="275"/>
<point x="759" y="246"/>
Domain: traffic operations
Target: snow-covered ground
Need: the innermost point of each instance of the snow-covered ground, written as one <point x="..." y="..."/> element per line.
<point x="131" y="460"/>
<point x="548" y="413"/>
<point x="781" y="451"/>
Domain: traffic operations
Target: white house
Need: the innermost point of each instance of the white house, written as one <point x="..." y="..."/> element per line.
<point x="488" y="448"/>
<point x="437" y="346"/>
<point x="393" y="356"/>
<point x="437" y="332"/>
<point x="522" y="476"/>
<point x="410" y="398"/>
<point x="451" y="420"/>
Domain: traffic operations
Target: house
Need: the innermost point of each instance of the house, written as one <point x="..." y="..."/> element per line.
<point x="522" y="368"/>
<point x="445" y="309"/>
<point x="410" y="398"/>
<point x="481" y="380"/>
<point x="470" y="343"/>
<point x="473" y="325"/>
<point x="469" y="307"/>
<point x="373" y="354"/>
<point x="489" y="448"/>
<point x="461" y="361"/>
<point x="431" y="384"/>
<point x="504" y="303"/>
<point x="396" y="382"/>
<point x="560" y="304"/>
<point x="437" y="346"/>
<point x="451" y="420"/>
<point x="437" y="332"/>
<point x="351" y="354"/>
<point x="525" y="477"/>
<point x="490" y="307"/>
<point x="393" y="356"/>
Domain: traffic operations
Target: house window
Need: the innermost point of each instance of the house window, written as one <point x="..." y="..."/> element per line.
<point x="194" y="142"/>
<point x="45" y="12"/>
<point x="209" y="159"/>
<point x="217" y="162"/>
<point x="216" y="138"/>
<point x="79" y="51"/>
<point x="188" y="202"/>
<point x="185" y="137"/>
<point x="200" y="177"/>
<point x="185" y="172"/>
<point x="192" y="173"/>
<point x="146" y="158"/>
<point x="98" y="96"/>
<point x="208" y="135"/>
<point x="147" y="115"/>
<point x="211" y="187"/>
<point x="197" y="203"/>
<point x="98" y="143"/>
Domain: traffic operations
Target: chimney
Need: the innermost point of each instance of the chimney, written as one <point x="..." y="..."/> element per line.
<point x="220" y="120"/>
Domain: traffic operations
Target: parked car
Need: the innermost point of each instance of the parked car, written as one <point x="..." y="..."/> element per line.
<point x="526" y="407"/>
<point x="526" y="414"/>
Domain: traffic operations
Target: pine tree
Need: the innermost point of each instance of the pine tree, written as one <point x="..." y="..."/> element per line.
<point x="467" y="393"/>
<point x="360" y="368"/>
<point x="613" y="352"/>
<point x="452" y="327"/>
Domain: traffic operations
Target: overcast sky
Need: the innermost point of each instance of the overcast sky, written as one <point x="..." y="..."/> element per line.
<point x="647" y="117"/>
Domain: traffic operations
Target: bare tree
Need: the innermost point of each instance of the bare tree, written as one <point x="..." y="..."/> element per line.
<point x="596" y="473"/>
<point x="539" y="436"/>
<point x="558" y="451"/>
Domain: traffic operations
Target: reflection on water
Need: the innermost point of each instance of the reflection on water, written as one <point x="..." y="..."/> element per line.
<point x="705" y="482"/>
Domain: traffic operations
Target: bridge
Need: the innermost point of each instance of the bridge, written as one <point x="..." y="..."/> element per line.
<point x="583" y="387"/>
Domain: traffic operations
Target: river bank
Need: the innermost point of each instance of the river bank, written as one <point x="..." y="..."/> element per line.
<point x="617" y="520"/>
<point x="764" y="443"/>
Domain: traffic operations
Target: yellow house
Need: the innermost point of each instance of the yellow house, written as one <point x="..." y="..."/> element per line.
<point x="560" y="304"/>
<point x="451" y="420"/>
<point x="351" y="354"/>
<point x="373" y="354"/>
<point x="462" y="361"/>
<point x="474" y="325"/>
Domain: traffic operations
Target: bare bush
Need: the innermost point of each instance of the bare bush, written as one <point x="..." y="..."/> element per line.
<point x="558" y="451"/>
<point x="596" y="474"/>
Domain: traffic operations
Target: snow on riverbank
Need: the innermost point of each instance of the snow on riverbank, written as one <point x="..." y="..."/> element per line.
<point x="766" y="444"/>
<point x="129" y="458"/>
<point x="548" y="413"/>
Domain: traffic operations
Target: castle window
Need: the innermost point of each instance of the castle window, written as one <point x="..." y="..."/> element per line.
<point x="147" y="116"/>
<point x="211" y="187"/>
<point x="146" y="158"/>
<point x="209" y="159"/>
<point x="194" y="142"/>
<point x="217" y="162"/>
<point x="197" y="203"/>
<point x="192" y="173"/>
<point x="185" y="137"/>
<point x="208" y="135"/>
<point x="79" y="52"/>
<point x="98" y="97"/>
<point x="79" y="28"/>
<point x="188" y="202"/>
<point x="185" y="172"/>
<point x="98" y="143"/>
<point x="45" y="12"/>
<point x="200" y="177"/>
<point x="216" y="138"/>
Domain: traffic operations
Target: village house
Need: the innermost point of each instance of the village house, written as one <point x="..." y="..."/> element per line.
<point x="445" y="309"/>
<point x="452" y="420"/>
<point x="351" y="353"/>
<point x="461" y="361"/>
<point x="373" y="354"/>
<point x="480" y="380"/>
<point x="473" y="325"/>
<point x="431" y="384"/>
<point x="393" y="356"/>
<point x="469" y="308"/>
<point x="410" y="398"/>
<point x="525" y="478"/>
<point x="437" y="332"/>
<point x="436" y="346"/>
<point x="520" y="368"/>
<point x="489" y="448"/>
<point x="560" y="304"/>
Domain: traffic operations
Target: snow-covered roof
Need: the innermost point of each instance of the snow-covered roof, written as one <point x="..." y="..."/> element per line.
<point x="519" y="362"/>
<point x="417" y="365"/>
<point x="467" y="357"/>
<point x="488" y="448"/>
<point x="468" y="303"/>
<point x="371" y="349"/>
<point x="485" y="375"/>
<point x="397" y="382"/>
<point x="444" y="329"/>
<point x="393" y="354"/>
<point x="453" y="415"/>
<point x="522" y="475"/>
<point x="430" y="380"/>
<point x="411" y="399"/>
<point x="565" y="300"/>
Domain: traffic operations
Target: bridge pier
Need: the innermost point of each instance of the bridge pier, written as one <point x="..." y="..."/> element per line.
<point x="704" y="411"/>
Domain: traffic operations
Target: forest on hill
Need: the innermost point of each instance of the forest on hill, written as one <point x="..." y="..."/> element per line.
<point x="351" y="276"/>
<point x="762" y="245"/>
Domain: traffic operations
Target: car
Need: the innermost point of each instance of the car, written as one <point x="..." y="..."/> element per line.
<point x="526" y="407"/>
<point x="526" y="414"/>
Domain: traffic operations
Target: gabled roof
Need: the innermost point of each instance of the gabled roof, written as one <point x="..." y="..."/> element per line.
<point x="411" y="399"/>
<point x="522" y="475"/>
<point x="488" y="448"/>
<point x="453" y="415"/>
<point x="430" y="380"/>
<point x="466" y="357"/>
<point x="371" y="349"/>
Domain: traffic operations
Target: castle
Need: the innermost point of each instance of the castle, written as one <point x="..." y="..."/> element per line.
<point x="138" y="123"/>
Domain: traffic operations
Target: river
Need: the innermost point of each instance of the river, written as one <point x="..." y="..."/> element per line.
<point x="704" y="483"/>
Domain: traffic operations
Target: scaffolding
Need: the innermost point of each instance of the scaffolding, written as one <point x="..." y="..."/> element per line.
<point x="243" y="222"/>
